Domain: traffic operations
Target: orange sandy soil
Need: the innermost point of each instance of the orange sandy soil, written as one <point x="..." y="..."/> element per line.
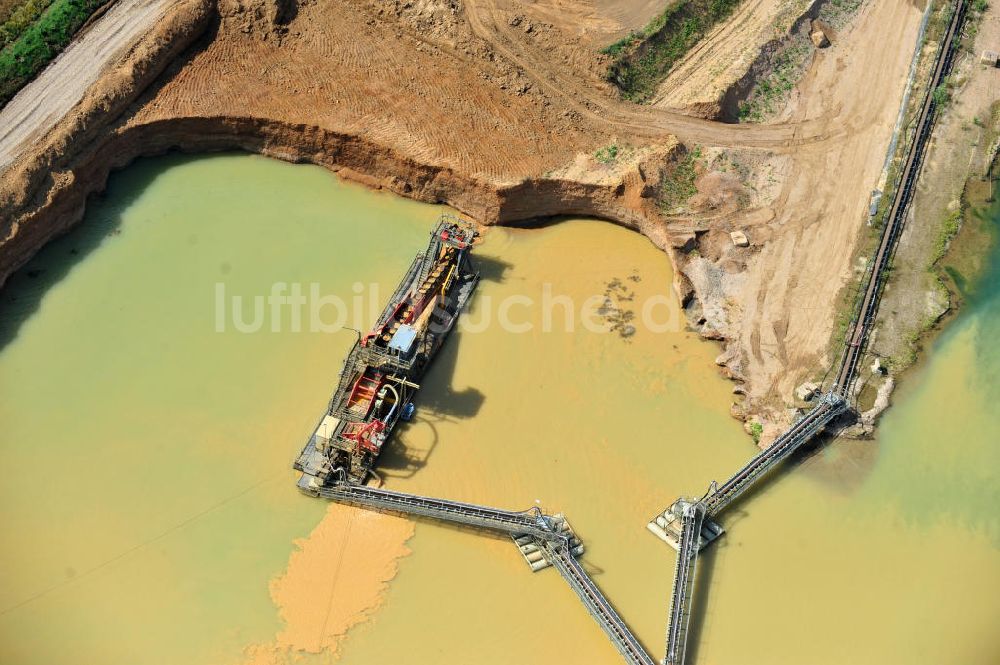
<point x="496" y="107"/>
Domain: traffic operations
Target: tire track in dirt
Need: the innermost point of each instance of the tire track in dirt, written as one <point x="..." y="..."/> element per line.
<point x="789" y="298"/>
<point x="386" y="95"/>
<point x="646" y="121"/>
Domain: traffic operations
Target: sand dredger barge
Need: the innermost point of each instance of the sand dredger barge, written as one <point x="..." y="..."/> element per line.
<point x="382" y="371"/>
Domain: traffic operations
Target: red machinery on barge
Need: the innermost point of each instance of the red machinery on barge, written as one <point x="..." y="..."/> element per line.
<point x="382" y="372"/>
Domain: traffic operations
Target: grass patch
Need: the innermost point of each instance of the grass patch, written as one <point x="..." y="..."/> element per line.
<point x="946" y="232"/>
<point x="643" y="59"/>
<point x="616" y="49"/>
<point x="608" y="154"/>
<point x="40" y="42"/>
<point x="838" y="12"/>
<point x="991" y="125"/>
<point x="973" y="20"/>
<point x="913" y="343"/>
<point x="942" y="96"/>
<point x="7" y="8"/>
<point x="773" y="89"/>
<point x="845" y="315"/>
<point x="677" y="184"/>
<point x="786" y="65"/>
<point x="908" y="355"/>
<point x="756" y="430"/>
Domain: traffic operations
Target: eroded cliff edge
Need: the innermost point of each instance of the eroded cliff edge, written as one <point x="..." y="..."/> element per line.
<point x="487" y="120"/>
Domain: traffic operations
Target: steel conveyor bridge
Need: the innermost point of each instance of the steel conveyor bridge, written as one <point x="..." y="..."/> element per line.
<point x="828" y="407"/>
<point x="547" y="531"/>
<point x="867" y="310"/>
<point x="692" y="516"/>
<point x="599" y="607"/>
<point x="532" y="522"/>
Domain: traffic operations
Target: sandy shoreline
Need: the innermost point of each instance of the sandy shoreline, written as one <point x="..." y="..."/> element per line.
<point x="518" y="147"/>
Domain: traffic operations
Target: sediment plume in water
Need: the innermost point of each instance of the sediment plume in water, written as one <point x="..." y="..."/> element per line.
<point x="336" y="579"/>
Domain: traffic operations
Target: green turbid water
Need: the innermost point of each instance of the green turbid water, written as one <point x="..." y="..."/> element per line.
<point x="148" y="511"/>
<point x="148" y="497"/>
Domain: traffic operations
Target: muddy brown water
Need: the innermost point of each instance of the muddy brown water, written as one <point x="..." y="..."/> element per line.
<point x="149" y="515"/>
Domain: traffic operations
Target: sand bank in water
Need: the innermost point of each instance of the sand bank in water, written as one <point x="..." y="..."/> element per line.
<point x="335" y="580"/>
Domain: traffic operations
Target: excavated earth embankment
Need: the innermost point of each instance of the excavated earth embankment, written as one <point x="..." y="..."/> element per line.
<point x="44" y="194"/>
<point x="465" y="103"/>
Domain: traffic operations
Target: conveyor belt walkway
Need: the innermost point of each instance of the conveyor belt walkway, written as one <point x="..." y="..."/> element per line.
<point x="689" y="539"/>
<point x="828" y="407"/>
<point x="531" y="522"/>
<point x="864" y="318"/>
<point x="599" y="607"/>
<point x="546" y="529"/>
<point x="692" y="516"/>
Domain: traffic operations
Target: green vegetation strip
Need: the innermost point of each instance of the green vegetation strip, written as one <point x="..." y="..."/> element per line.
<point x="642" y="60"/>
<point x="20" y="19"/>
<point x="38" y="43"/>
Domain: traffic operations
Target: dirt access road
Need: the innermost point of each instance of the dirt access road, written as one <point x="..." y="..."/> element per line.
<point x="591" y="96"/>
<point x="786" y="308"/>
<point x="47" y="99"/>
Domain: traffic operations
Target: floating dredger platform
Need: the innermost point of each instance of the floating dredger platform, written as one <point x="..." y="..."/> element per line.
<point x="382" y="372"/>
